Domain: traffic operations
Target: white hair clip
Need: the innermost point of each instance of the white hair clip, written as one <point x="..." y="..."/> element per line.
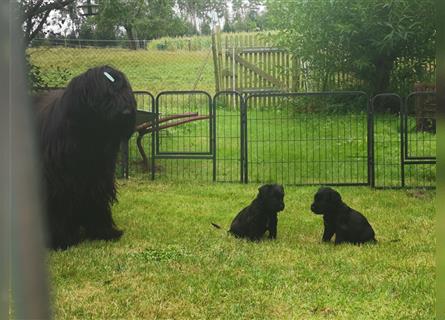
<point x="108" y="76"/>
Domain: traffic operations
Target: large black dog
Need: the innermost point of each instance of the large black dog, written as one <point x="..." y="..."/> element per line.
<point x="80" y="130"/>
<point x="347" y="224"/>
<point x="261" y="215"/>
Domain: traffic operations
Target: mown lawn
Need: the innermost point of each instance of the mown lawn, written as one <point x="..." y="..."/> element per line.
<point x="172" y="264"/>
<point x="149" y="70"/>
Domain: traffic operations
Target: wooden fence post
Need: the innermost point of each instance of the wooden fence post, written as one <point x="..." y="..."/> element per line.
<point x="216" y="64"/>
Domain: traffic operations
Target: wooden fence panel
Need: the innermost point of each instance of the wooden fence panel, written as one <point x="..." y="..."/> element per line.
<point x="247" y="63"/>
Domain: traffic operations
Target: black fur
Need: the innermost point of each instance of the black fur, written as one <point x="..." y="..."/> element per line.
<point x="80" y="130"/>
<point x="261" y="215"/>
<point x="347" y="224"/>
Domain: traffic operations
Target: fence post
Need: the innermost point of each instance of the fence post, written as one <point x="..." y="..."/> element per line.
<point x="371" y="162"/>
<point x="233" y="69"/>
<point x="213" y="136"/>
<point x="244" y="144"/>
<point x="295" y="87"/>
<point x="402" y="142"/>
<point x="124" y="161"/>
<point x="215" y="50"/>
<point x="154" y="136"/>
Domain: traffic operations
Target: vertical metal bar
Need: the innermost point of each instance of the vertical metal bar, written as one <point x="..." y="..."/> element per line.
<point x="402" y="145"/>
<point x="405" y="127"/>
<point x="213" y="135"/>
<point x="370" y="130"/>
<point x="124" y="162"/>
<point x="242" y="138"/>
<point x="153" y="135"/>
<point x="157" y="123"/>
<point x="245" y="142"/>
<point x="210" y="128"/>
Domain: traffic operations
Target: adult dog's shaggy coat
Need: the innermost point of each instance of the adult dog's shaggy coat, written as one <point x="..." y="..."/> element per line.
<point x="80" y="130"/>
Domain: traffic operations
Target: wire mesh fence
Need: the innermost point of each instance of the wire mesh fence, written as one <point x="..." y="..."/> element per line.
<point x="252" y="134"/>
<point x="404" y="140"/>
<point x="247" y="63"/>
<point x="153" y="69"/>
<point x="420" y="126"/>
<point x="229" y="136"/>
<point x="419" y="139"/>
<point x="186" y="148"/>
<point x="386" y="131"/>
<point x="308" y="138"/>
<point x="332" y="138"/>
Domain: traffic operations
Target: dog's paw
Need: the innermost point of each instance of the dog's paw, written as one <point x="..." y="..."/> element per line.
<point x="106" y="234"/>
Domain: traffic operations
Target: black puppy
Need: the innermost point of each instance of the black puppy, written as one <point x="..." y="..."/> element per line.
<point x="347" y="224"/>
<point x="261" y="215"/>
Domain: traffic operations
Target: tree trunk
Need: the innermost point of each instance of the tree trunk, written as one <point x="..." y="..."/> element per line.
<point x="381" y="84"/>
<point x="131" y="37"/>
<point x="383" y="67"/>
<point x="35" y="14"/>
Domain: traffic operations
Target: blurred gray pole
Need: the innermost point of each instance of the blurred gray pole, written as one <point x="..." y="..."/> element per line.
<point x="29" y="278"/>
<point x="4" y="163"/>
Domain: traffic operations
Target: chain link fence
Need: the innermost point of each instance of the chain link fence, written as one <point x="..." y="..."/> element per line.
<point x="152" y="67"/>
<point x="251" y="135"/>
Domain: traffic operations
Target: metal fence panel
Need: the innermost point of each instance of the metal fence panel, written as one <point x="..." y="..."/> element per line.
<point x="419" y="140"/>
<point x="404" y="142"/>
<point x="387" y="148"/>
<point x="229" y="134"/>
<point x="308" y="138"/>
<point x="331" y="138"/>
<point x="184" y="142"/>
<point x="136" y="156"/>
<point x="420" y="126"/>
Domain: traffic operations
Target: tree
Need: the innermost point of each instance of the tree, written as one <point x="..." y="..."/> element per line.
<point x="364" y="38"/>
<point x="145" y="19"/>
<point x="201" y="12"/>
<point x="119" y="13"/>
<point x="159" y="20"/>
<point x="35" y="14"/>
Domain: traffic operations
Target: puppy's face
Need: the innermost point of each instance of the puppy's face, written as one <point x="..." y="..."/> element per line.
<point x="325" y="200"/>
<point x="273" y="196"/>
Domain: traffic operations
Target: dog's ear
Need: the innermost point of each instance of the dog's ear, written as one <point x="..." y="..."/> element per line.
<point x="335" y="197"/>
<point x="263" y="191"/>
<point x="113" y="78"/>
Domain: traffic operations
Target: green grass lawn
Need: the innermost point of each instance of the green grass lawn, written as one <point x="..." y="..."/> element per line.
<point x="149" y="70"/>
<point x="172" y="264"/>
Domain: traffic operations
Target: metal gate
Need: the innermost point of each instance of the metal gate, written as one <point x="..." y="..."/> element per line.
<point x="307" y="138"/>
<point x="229" y="110"/>
<point x="190" y="138"/>
<point x="403" y="150"/>
<point x="330" y="138"/>
<point x="418" y="136"/>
